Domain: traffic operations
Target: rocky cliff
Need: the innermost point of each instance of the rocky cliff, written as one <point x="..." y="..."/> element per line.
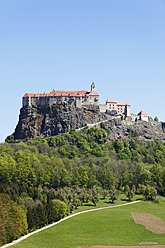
<point x="41" y="122"/>
<point x="123" y="130"/>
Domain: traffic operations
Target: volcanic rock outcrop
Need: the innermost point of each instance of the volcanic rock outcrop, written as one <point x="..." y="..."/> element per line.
<point x="152" y="130"/>
<point x="46" y="121"/>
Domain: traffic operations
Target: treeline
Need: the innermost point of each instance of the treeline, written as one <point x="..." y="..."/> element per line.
<point x="48" y="178"/>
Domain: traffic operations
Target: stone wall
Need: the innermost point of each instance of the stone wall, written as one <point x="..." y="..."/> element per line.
<point x="50" y="100"/>
<point x="103" y="108"/>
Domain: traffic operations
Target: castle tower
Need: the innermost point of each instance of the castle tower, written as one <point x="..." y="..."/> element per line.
<point x="93" y="87"/>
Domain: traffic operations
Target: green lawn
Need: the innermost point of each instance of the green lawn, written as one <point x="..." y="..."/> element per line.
<point x="113" y="226"/>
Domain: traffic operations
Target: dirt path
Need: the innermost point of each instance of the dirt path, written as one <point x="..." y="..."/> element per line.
<point x="68" y="217"/>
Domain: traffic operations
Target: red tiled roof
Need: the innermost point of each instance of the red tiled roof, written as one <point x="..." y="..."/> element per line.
<point x="122" y="103"/>
<point x="111" y="100"/>
<point x="62" y="93"/>
<point x="143" y="113"/>
<point x="118" y="103"/>
<point x="68" y="93"/>
<point x="35" y="94"/>
<point x="93" y="93"/>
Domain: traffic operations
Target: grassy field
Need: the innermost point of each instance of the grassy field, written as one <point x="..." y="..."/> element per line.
<point x="113" y="226"/>
<point x="106" y="202"/>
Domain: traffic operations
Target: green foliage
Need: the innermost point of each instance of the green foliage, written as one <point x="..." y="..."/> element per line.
<point x="114" y="193"/>
<point x="58" y="209"/>
<point x="94" y="196"/>
<point x="156" y="118"/>
<point x="82" y="176"/>
<point x="150" y="193"/>
<point x="130" y="193"/>
<point x="70" y="167"/>
<point x="103" y="227"/>
<point x="13" y="221"/>
<point x="9" y="139"/>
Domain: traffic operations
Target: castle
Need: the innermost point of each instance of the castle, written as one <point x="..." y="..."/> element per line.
<point x="80" y="99"/>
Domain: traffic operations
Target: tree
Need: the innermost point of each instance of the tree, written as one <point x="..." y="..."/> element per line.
<point x="156" y="118"/>
<point x="150" y="193"/>
<point x="58" y="209"/>
<point x="31" y="218"/>
<point x="130" y="193"/>
<point x="114" y="193"/>
<point x="118" y="145"/>
<point x="94" y="196"/>
<point x="9" y="139"/>
<point x="83" y="177"/>
<point x="76" y="202"/>
<point x="145" y="176"/>
<point x="104" y="193"/>
<point x="13" y="221"/>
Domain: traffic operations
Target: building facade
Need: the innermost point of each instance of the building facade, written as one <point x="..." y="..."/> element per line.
<point x="142" y="115"/>
<point x="78" y="98"/>
<point x="122" y="108"/>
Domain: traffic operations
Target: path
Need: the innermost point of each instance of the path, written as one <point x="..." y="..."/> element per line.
<point x="70" y="216"/>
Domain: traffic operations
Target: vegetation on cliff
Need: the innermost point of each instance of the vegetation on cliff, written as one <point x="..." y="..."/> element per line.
<point x="49" y="178"/>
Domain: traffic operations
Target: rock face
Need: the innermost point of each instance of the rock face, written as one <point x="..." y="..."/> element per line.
<point x="123" y="130"/>
<point x="41" y="122"/>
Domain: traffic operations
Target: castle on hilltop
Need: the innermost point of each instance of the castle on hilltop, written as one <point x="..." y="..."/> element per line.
<point x="80" y="99"/>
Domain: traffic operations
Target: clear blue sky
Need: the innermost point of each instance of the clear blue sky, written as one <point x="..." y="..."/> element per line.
<point x="66" y="44"/>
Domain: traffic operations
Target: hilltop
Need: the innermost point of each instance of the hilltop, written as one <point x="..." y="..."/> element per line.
<point x="46" y="121"/>
<point x="45" y="115"/>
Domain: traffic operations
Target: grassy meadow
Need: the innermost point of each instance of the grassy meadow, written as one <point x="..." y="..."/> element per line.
<point x="113" y="226"/>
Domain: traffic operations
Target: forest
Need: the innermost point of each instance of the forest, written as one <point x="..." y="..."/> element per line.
<point x="43" y="180"/>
